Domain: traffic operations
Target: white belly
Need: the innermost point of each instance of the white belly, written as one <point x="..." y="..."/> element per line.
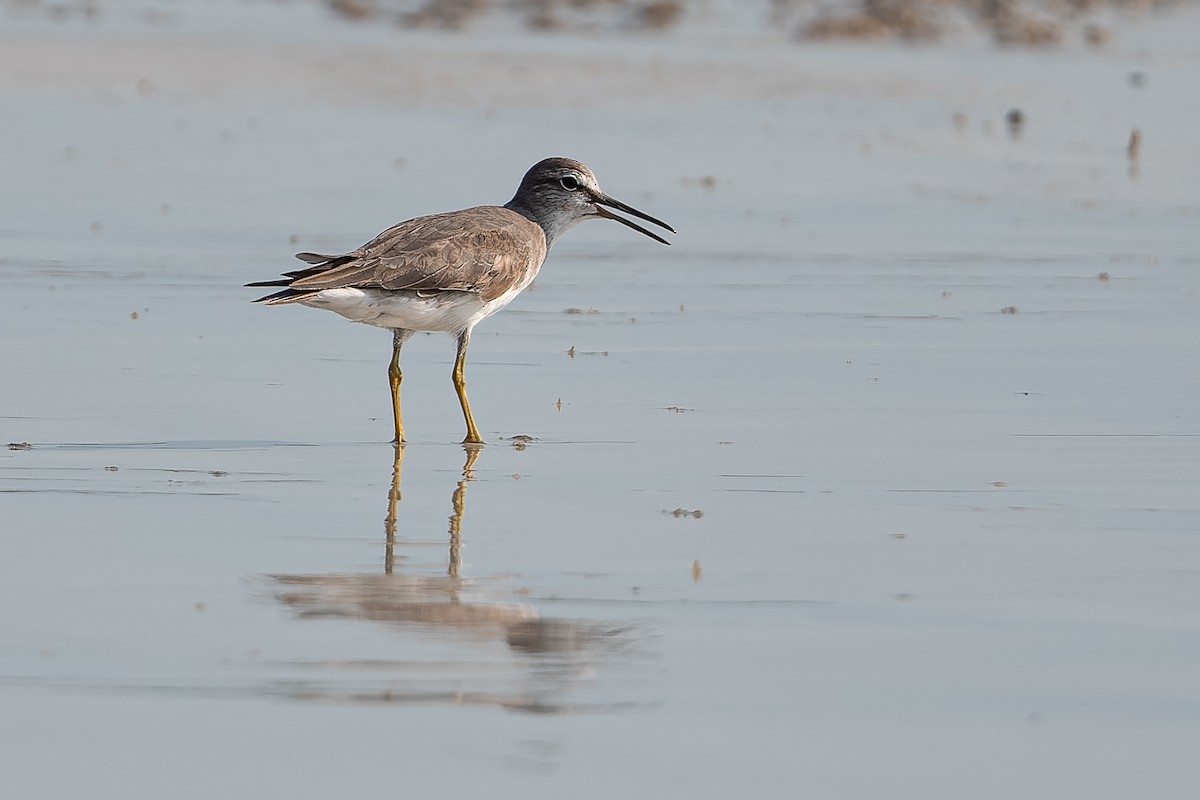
<point x="449" y="312"/>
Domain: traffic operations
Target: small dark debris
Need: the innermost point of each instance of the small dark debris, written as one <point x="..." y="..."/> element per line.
<point x="1015" y="119"/>
<point x="521" y="441"/>
<point x="1134" y="148"/>
<point x="680" y="513"/>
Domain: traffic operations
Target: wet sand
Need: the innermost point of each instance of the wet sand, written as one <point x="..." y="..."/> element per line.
<point x="881" y="479"/>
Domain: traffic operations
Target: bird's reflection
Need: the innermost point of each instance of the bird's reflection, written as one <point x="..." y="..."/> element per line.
<point x="458" y="503"/>
<point x="555" y="660"/>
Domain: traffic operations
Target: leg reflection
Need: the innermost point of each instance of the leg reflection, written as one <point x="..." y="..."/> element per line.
<point x="459" y="503"/>
<point x="389" y="553"/>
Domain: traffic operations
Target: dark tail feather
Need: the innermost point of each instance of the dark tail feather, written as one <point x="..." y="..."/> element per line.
<point x="281" y="298"/>
<point x="309" y="271"/>
<point x="315" y="258"/>
<point x="321" y="264"/>
<point x="294" y="275"/>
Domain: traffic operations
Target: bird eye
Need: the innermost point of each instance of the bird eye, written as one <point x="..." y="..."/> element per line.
<point x="569" y="183"/>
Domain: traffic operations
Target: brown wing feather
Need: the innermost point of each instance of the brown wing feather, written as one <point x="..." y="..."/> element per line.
<point x="484" y="249"/>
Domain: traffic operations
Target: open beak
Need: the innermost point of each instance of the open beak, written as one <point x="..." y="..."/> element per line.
<point x="604" y="200"/>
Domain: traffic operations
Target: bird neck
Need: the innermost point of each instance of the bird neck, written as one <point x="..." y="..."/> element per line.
<point x="553" y="223"/>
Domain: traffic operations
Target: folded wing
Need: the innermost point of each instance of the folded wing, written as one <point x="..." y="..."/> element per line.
<point x="483" y="250"/>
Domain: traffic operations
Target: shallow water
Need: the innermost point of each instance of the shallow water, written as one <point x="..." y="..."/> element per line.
<point x="882" y="478"/>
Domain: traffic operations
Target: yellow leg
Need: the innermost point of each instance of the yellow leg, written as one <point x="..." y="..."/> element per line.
<point x="395" y="377"/>
<point x="460" y="386"/>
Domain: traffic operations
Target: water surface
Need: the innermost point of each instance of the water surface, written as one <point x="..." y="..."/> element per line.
<point x="881" y="479"/>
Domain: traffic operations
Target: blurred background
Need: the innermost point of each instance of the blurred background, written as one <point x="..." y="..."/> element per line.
<point x="880" y="480"/>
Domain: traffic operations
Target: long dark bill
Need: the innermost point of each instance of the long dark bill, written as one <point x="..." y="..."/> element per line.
<point x="605" y="200"/>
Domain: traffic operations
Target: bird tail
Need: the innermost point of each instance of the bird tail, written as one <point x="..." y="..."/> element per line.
<point x="320" y="263"/>
<point x="282" y="298"/>
<point x="315" y="258"/>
